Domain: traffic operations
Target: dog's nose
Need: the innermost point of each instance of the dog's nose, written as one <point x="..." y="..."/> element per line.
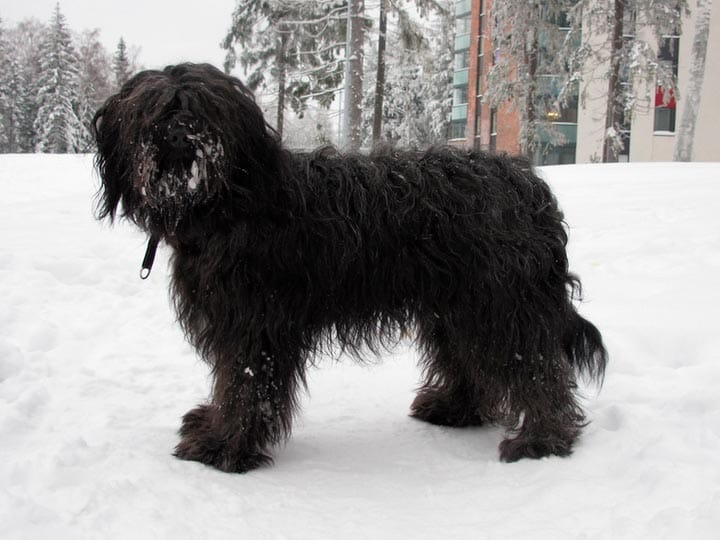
<point x="178" y="139"/>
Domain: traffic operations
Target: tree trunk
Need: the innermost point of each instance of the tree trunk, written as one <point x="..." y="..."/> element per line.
<point x="380" y="78"/>
<point x="282" y="75"/>
<point x="527" y="141"/>
<point x="613" y="116"/>
<point x="691" y="100"/>
<point x="352" y="115"/>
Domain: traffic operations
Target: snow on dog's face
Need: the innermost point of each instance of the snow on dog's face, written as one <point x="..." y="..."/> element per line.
<point x="160" y="153"/>
<point x="173" y="142"/>
<point x="178" y="164"/>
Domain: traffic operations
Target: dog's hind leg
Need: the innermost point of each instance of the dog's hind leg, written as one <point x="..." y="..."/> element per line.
<point x="251" y="409"/>
<point x="455" y="392"/>
<point x="545" y="412"/>
<point x="542" y="411"/>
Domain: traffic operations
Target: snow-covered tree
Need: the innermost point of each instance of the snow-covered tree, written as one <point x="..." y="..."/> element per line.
<point x="354" y="75"/>
<point x="438" y="67"/>
<point x="12" y="103"/>
<point x="57" y="125"/>
<point x="293" y="46"/>
<point x="121" y="64"/>
<point x="48" y="92"/>
<point x="6" y="123"/>
<point x="411" y="36"/>
<point x="691" y="103"/>
<point x="24" y="43"/>
<point x="630" y="54"/>
<point x="93" y="82"/>
<point x="416" y="93"/>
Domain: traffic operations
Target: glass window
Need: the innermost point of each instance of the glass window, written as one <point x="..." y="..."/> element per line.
<point x="460" y="95"/>
<point x="462" y="7"/>
<point x="460" y="77"/>
<point x="462" y="25"/>
<point x="459" y="112"/>
<point x="493" y="130"/>
<point x="664" y="119"/>
<point x="462" y="59"/>
<point x="457" y="129"/>
<point x="664" y="99"/>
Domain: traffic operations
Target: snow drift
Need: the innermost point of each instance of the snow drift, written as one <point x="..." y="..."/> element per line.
<point x="94" y="376"/>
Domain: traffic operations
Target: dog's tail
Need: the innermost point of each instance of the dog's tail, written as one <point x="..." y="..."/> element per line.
<point x="584" y="348"/>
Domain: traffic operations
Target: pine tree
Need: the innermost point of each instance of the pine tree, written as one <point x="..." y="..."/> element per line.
<point x="12" y="94"/>
<point x="438" y="97"/>
<point x="57" y="125"/>
<point x="121" y="64"/>
<point x="25" y="39"/>
<point x="291" y="45"/>
<point x="6" y="123"/>
<point x="411" y="36"/>
<point x="13" y="103"/>
<point x="416" y="93"/>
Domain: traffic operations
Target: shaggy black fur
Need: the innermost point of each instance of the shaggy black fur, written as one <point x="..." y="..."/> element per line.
<point x="276" y="254"/>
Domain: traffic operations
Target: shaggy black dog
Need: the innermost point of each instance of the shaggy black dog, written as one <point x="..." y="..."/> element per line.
<point x="276" y="254"/>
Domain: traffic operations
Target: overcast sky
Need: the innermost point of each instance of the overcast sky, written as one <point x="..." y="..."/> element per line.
<point x="166" y="31"/>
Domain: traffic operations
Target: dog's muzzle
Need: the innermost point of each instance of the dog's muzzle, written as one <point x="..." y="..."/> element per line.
<point x="178" y="139"/>
<point x="184" y="169"/>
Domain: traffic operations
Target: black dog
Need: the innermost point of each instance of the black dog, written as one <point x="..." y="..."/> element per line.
<point x="276" y="254"/>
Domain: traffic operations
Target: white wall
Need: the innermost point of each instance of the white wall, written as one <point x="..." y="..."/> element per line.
<point x="707" y="134"/>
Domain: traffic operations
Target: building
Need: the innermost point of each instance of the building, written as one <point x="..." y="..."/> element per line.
<point x="650" y="132"/>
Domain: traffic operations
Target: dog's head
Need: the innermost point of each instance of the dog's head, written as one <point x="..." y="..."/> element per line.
<point x="170" y="143"/>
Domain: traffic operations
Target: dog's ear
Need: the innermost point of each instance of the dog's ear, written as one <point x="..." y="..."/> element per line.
<point x="108" y="167"/>
<point x="97" y="123"/>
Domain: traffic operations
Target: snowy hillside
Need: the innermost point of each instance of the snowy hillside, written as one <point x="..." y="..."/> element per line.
<point x="94" y="376"/>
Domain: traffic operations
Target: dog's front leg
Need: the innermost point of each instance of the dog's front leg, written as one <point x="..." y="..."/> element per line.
<point x="251" y="409"/>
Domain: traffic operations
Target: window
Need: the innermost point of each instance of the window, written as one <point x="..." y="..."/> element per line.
<point x="493" y="130"/>
<point x="665" y="119"/>
<point x="462" y="25"/>
<point x="665" y="97"/>
<point x="462" y="59"/>
<point x="460" y="95"/>
<point x="457" y="129"/>
<point x="462" y="7"/>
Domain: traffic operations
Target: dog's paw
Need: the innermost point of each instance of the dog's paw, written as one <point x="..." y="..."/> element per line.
<point x="200" y="442"/>
<point x="435" y="407"/>
<point x="534" y="448"/>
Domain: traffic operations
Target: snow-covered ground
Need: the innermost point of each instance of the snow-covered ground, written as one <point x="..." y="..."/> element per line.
<point x="94" y="376"/>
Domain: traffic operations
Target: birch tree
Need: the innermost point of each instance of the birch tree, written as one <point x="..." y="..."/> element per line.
<point x="691" y="103"/>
